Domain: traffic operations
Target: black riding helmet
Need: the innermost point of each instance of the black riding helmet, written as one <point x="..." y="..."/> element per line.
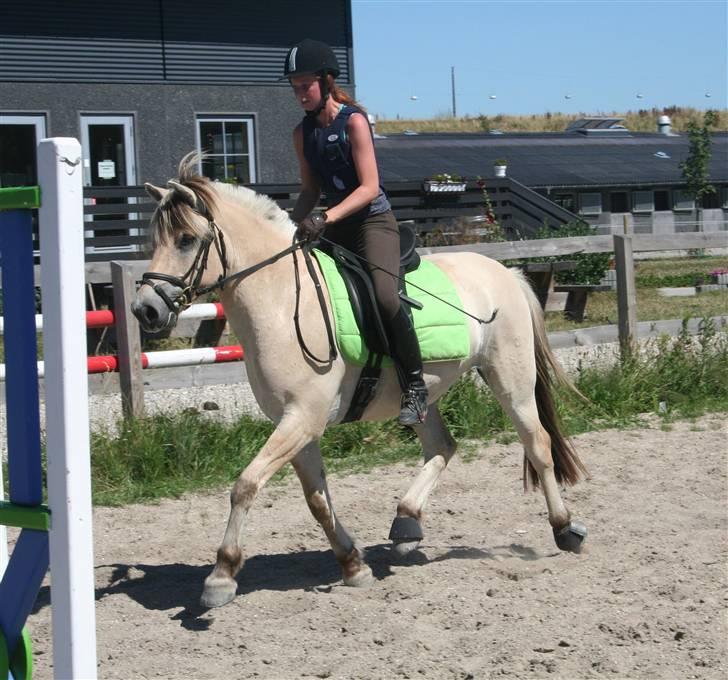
<point x="312" y="56"/>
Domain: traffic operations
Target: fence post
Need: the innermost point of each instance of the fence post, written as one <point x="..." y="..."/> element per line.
<point x="626" y="293"/>
<point x="129" y="347"/>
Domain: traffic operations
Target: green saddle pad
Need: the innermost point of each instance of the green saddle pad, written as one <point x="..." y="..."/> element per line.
<point x="441" y="330"/>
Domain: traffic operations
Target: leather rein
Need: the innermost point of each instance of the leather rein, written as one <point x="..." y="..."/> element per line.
<point x="189" y="282"/>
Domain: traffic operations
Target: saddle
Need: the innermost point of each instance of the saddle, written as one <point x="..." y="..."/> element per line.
<point x="366" y="312"/>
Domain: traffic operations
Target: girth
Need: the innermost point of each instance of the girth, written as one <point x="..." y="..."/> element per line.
<point x="366" y="312"/>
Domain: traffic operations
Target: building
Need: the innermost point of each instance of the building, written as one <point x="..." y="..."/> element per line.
<point x="143" y="82"/>
<point x="604" y="174"/>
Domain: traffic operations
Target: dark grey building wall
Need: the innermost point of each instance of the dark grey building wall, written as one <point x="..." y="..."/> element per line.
<point x="164" y="118"/>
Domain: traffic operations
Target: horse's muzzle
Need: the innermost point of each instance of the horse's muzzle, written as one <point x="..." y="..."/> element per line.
<point x="153" y="315"/>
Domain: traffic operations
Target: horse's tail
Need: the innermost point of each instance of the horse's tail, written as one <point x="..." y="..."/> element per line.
<point x="568" y="467"/>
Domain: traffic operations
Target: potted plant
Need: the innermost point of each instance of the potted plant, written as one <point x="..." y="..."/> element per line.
<point x="499" y="167"/>
<point x="444" y="183"/>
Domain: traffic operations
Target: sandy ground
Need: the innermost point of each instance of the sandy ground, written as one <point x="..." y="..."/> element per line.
<point x="487" y="595"/>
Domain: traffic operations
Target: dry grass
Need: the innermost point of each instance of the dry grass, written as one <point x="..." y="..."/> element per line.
<point x="644" y="120"/>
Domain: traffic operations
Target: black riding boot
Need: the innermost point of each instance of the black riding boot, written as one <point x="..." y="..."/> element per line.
<point x="406" y="354"/>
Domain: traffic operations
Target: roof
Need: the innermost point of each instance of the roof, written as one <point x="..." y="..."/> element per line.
<point x="547" y="159"/>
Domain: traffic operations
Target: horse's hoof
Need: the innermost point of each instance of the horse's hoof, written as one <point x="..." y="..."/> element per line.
<point x="571" y="537"/>
<point x="218" y="591"/>
<point x="403" y="548"/>
<point x="361" y="578"/>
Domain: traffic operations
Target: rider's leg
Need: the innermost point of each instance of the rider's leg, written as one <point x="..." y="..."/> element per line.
<point x="379" y="244"/>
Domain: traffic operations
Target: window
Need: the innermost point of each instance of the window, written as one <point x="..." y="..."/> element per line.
<point x="643" y="201"/>
<point x="662" y="200"/>
<point x="682" y="200"/>
<point x="724" y="192"/>
<point x="227" y="143"/>
<point x="566" y="201"/>
<point x="19" y="137"/>
<point x="618" y="202"/>
<point x="590" y="204"/>
<point x="712" y="201"/>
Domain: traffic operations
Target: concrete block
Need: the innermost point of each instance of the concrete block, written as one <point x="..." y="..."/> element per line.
<point x="677" y="292"/>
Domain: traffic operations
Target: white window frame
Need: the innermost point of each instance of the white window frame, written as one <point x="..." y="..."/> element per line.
<point x="248" y="119"/>
<point x="591" y="199"/>
<point x="681" y="201"/>
<point x="643" y="201"/>
<point x="724" y="202"/>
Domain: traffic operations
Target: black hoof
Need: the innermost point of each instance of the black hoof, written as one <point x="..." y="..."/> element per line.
<point x="405" y="529"/>
<point x="571" y="537"/>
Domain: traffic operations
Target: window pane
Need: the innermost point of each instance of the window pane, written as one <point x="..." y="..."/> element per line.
<point x="236" y="137"/>
<point x="214" y="168"/>
<point x="239" y="169"/>
<point x="590" y="204"/>
<point x="211" y="137"/>
<point x="618" y="202"/>
<point x="17" y="155"/>
<point x="643" y="201"/>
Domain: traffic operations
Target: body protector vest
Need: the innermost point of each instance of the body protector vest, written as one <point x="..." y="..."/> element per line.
<point x="328" y="153"/>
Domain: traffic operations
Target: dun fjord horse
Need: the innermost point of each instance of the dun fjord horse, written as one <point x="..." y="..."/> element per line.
<point x="204" y="231"/>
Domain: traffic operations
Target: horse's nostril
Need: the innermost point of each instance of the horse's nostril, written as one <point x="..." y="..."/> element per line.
<point x="151" y="315"/>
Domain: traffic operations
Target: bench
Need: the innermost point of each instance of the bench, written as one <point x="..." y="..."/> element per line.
<point x="577" y="297"/>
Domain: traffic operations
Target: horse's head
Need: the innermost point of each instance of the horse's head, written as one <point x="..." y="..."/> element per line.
<point x="189" y="250"/>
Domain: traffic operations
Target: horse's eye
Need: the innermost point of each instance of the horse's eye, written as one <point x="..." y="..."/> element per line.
<point x="186" y="241"/>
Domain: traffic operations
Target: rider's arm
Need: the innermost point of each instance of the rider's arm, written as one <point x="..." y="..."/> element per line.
<point x="365" y="162"/>
<point x="310" y="190"/>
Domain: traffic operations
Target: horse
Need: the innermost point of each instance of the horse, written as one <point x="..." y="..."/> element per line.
<point x="202" y="231"/>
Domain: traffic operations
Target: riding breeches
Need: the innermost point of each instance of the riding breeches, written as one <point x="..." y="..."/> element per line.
<point x="376" y="239"/>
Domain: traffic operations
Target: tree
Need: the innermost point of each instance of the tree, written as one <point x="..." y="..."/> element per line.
<point x="695" y="167"/>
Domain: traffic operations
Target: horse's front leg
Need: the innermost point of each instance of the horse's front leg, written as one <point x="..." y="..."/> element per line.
<point x="438" y="447"/>
<point x="287" y="440"/>
<point x="310" y="469"/>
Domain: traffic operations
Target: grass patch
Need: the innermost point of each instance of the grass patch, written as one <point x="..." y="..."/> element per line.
<point x="601" y="308"/>
<point x="166" y="456"/>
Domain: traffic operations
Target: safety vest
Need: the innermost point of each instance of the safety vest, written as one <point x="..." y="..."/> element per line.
<point x="328" y="153"/>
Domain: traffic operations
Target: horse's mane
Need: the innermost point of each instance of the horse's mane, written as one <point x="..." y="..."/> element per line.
<point x="173" y="212"/>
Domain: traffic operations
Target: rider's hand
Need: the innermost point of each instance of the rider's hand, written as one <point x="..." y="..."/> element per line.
<point x="309" y="228"/>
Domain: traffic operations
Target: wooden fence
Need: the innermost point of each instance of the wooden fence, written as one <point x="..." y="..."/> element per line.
<point x="116" y="219"/>
<point x="126" y="274"/>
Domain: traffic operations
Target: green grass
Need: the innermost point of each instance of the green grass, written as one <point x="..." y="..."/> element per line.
<point x="167" y="456"/>
<point x="601" y="308"/>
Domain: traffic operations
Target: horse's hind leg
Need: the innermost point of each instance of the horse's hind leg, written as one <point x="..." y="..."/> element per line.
<point x="310" y="469"/>
<point x="515" y="390"/>
<point x="438" y="447"/>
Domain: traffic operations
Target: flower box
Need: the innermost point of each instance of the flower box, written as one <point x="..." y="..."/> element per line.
<point x="437" y="187"/>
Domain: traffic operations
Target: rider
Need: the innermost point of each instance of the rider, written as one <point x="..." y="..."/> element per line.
<point x="335" y="149"/>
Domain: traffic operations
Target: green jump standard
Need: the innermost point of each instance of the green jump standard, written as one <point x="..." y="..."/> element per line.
<point x="23" y="517"/>
<point x="19" y="198"/>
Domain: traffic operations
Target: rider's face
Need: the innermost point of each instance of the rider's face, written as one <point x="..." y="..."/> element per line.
<point x="307" y="90"/>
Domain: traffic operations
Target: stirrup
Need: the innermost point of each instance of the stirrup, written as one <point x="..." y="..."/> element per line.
<point x="413" y="406"/>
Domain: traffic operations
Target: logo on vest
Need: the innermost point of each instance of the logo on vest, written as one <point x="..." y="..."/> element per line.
<point x="332" y="138"/>
<point x="338" y="183"/>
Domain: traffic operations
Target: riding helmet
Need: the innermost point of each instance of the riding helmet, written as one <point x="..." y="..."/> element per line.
<point x="311" y="56"/>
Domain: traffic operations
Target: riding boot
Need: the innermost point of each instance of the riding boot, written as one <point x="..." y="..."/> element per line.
<point x="405" y="350"/>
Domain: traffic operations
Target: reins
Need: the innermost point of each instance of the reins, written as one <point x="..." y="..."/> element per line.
<point x="189" y="282"/>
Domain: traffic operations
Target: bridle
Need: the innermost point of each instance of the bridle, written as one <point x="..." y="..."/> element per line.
<point x="189" y="282"/>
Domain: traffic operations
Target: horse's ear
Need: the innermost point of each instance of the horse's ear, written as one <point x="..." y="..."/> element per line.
<point x="157" y="193"/>
<point x="186" y="193"/>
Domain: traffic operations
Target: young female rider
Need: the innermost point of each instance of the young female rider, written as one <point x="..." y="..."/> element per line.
<point x="336" y="154"/>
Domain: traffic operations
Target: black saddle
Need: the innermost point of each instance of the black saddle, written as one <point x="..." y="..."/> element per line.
<point x="366" y="311"/>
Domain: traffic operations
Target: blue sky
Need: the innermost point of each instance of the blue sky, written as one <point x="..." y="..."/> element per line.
<point x="531" y="54"/>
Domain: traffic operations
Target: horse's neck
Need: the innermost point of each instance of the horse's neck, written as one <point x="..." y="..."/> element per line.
<point x="255" y="304"/>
